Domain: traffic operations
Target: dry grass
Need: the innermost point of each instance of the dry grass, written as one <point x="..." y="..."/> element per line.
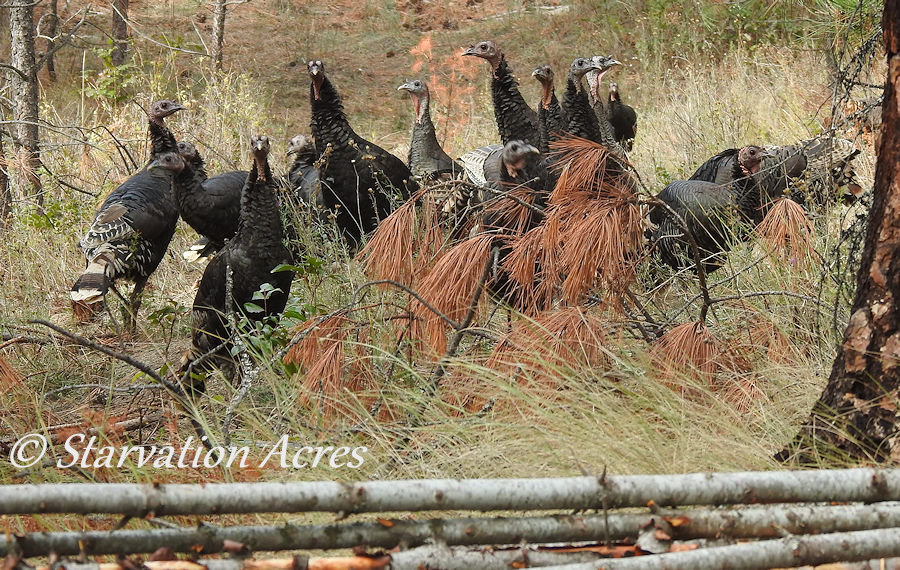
<point x="588" y="395"/>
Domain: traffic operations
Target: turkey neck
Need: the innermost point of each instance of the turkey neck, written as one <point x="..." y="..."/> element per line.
<point x="161" y="138"/>
<point x="747" y="191"/>
<point x="260" y="221"/>
<point x="424" y="142"/>
<point x="510" y="109"/>
<point x="189" y="193"/>
<point x="329" y="123"/>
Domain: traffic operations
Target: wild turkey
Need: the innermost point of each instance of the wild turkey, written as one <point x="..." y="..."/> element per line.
<point x="552" y="122"/>
<point x="582" y="121"/>
<point x="303" y="176"/>
<point x="161" y="138"/>
<point x="607" y="136"/>
<point x="128" y="237"/>
<point x="515" y="119"/>
<point x="622" y="117"/>
<point x="823" y="163"/>
<point x="358" y="178"/>
<point x="252" y="254"/>
<point x="516" y="168"/>
<point x="427" y="159"/>
<point x="713" y="213"/>
<point x="211" y="206"/>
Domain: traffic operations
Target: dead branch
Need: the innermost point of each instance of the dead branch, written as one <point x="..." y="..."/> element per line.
<point x="771" y="521"/>
<point x="840" y="485"/>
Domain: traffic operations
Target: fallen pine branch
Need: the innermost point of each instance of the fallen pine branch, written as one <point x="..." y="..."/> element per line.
<point x="295" y="563"/>
<point x="771" y="521"/>
<point x="578" y="493"/>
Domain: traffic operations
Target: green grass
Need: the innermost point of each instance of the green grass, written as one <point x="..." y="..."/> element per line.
<point x="617" y="415"/>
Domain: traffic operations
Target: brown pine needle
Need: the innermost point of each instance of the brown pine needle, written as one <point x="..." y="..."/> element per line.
<point x="322" y="384"/>
<point x="741" y="393"/>
<point x="389" y="252"/>
<point x="9" y="376"/>
<point x="689" y="348"/>
<point x="306" y="352"/>
<point x="787" y="233"/>
<point x="564" y="339"/>
<point x="449" y="287"/>
<point x="584" y="170"/>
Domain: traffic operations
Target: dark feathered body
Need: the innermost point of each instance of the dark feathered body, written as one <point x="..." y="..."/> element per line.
<point x="303" y="175"/>
<point x="582" y="121"/>
<point x="552" y="120"/>
<point x="715" y="214"/>
<point x="130" y="232"/>
<point x="622" y="117"/>
<point x="824" y="164"/>
<point x="427" y="159"/>
<point x="256" y="249"/>
<point x="515" y="119"/>
<point x="360" y="181"/>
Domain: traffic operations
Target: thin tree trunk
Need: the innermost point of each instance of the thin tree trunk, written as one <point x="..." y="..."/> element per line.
<point x="856" y="416"/>
<point x="5" y="193"/>
<point x="25" y="91"/>
<point x="119" y="32"/>
<point x="218" y="33"/>
<point x="52" y="30"/>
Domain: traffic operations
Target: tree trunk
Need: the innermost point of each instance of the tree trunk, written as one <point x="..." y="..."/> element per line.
<point x="218" y="33"/>
<point x="25" y="91"/>
<point x="856" y="416"/>
<point x="52" y="30"/>
<point x="5" y="194"/>
<point x="119" y="31"/>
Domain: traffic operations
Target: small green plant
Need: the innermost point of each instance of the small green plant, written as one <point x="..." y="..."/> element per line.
<point x="114" y="82"/>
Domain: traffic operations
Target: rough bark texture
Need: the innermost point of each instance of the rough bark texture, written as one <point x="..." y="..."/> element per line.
<point x="218" y="33"/>
<point x="841" y="485"/>
<point x="856" y="416"/>
<point x="771" y="521"/>
<point x="52" y="30"/>
<point x="5" y="194"/>
<point x="25" y="91"/>
<point x="119" y="31"/>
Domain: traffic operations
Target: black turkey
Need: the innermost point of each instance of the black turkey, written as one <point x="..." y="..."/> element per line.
<point x="715" y="214"/>
<point x="303" y="176"/>
<point x="622" y="117"/>
<point x="358" y="178"/>
<point x="582" y="121"/>
<point x="515" y="119"/>
<point x="811" y="172"/>
<point x="517" y="168"/>
<point x="256" y="249"/>
<point x="209" y="205"/>
<point x="129" y="236"/>
<point x="427" y="160"/>
<point x="607" y="136"/>
<point x="552" y="122"/>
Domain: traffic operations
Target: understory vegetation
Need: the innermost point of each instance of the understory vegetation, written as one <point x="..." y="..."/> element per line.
<point x="588" y="388"/>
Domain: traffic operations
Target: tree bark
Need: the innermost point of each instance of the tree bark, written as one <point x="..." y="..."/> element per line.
<point x="580" y="493"/>
<point x="218" y="33"/>
<point x="52" y="31"/>
<point x="855" y="418"/>
<point x="771" y="521"/>
<point x="24" y="82"/>
<point x="5" y="193"/>
<point x="119" y="32"/>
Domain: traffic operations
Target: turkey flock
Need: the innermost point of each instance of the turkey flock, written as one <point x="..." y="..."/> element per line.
<point x="349" y="185"/>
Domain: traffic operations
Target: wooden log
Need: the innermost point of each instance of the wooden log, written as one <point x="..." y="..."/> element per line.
<point x="843" y="485"/>
<point x="788" y="552"/>
<point x="770" y="521"/>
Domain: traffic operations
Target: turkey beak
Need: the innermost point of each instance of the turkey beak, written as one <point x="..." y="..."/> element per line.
<point x="469" y="51"/>
<point x="154" y="165"/>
